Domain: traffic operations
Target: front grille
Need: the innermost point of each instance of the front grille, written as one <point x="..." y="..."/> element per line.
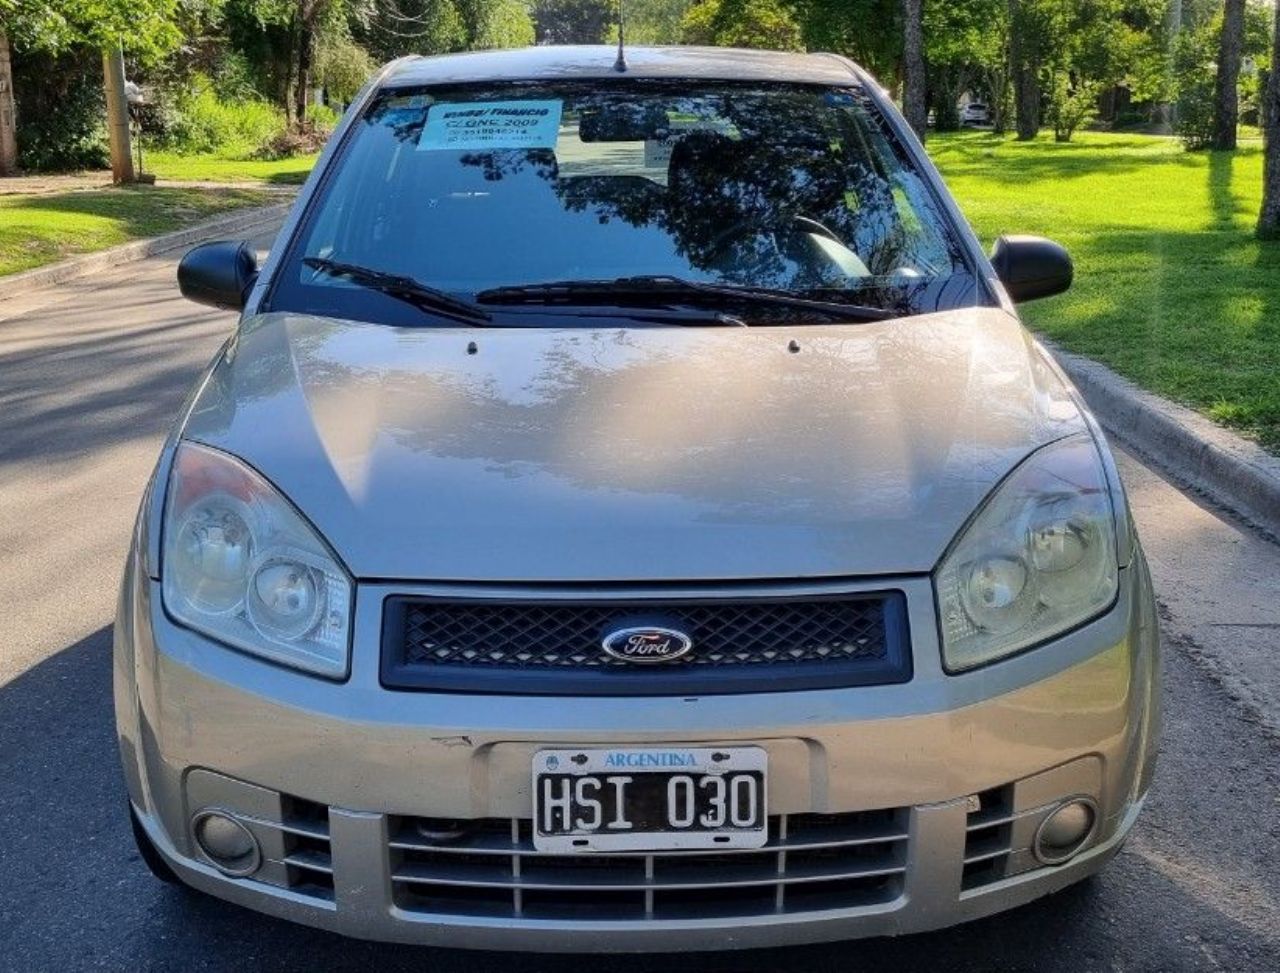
<point x="489" y="867"/>
<point x="556" y="646"/>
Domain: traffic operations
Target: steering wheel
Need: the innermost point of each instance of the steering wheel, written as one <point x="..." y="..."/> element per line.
<point x="759" y="225"/>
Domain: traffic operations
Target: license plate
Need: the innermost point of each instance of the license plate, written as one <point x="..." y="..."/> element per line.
<point x="649" y="799"/>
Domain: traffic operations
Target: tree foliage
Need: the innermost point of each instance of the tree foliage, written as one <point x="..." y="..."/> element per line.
<point x="147" y="28"/>
<point x="868" y="31"/>
<point x="574" y="21"/>
<point x="767" y="24"/>
<point x="341" y="65"/>
<point x="498" y="23"/>
<point x="656" y="21"/>
<point x="963" y="44"/>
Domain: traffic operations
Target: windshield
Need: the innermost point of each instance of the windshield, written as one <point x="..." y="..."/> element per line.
<point x="799" y="190"/>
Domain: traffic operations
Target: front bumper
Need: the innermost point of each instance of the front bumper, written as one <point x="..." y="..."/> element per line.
<point x="201" y="726"/>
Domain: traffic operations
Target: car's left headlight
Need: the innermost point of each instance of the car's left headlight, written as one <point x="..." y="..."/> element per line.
<point x="1037" y="560"/>
<point x="241" y="565"/>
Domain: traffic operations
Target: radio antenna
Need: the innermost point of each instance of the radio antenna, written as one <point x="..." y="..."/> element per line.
<point x="620" y="65"/>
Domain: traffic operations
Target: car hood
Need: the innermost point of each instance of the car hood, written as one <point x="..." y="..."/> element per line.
<point x="635" y="454"/>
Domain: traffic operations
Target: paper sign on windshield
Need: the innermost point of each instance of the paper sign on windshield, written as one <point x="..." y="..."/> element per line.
<point x="477" y="126"/>
<point x="657" y="151"/>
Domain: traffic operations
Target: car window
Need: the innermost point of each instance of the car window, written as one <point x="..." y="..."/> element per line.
<point x="793" y="188"/>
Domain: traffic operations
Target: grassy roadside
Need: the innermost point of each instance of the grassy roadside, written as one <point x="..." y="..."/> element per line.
<point x="214" y="168"/>
<point x="41" y="229"/>
<point x="1172" y="290"/>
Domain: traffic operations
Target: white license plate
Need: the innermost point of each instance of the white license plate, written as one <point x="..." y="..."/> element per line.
<point x="649" y="799"/>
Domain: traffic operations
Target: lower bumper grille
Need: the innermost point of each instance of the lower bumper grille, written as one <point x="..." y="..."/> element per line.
<point x="308" y="859"/>
<point x="489" y="867"/>
<point x="988" y="830"/>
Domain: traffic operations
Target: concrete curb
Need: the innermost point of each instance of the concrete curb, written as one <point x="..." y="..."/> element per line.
<point x="89" y="263"/>
<point x="1226" y="468"/>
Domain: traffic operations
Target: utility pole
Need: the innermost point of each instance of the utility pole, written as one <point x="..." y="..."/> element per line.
<point x="117" y="116"/>
<point x="8" y="114"/>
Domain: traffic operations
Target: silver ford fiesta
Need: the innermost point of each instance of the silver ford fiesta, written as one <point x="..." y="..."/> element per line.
<point x="630" y="515"/>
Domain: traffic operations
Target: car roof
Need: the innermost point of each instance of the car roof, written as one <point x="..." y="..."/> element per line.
<point x="558" y="62"/>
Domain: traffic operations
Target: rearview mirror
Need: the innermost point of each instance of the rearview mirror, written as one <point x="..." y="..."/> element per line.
<point x="1031" y="267"/>
<point x="218" y="274"/>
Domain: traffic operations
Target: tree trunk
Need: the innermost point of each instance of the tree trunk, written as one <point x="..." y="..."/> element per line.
<point x="1165" y="113"/>
<point x="8" y="114"/>
<point x="1226" y="111"/>
<point x="1269" y="219"/>
<point x="914" y="103"/>
<point x="117" y="117"/>
<point x="998" y="80"/>
<point x="302" y="92"/>
<point x="948" y="85"/>
<point x="1026" y="84"/>
<point x="1026" y="77"/>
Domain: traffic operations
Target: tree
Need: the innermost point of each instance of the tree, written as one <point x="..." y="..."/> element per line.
<point x="496" y="23"/>
<point x="1226" y="113"/>
<point x="392" y="28"/>
<point x="914" y="104"/>
<point x="868" y="31"/>
<point x="1269" y="218"/>
<point x="8" y="112"/>
<point x="341" y="65"/>
<point x="767" y="24"/>
<point x="1071" y="106"/>
<point x="146" y="29"/>
<point x="1025" y="33"/>
<point x="307" y="18"/>
<point x="574" y="21"/>
<point x="1193" y="72"/>
<point x="655" y="21"/>
<point x="965" y="45"/>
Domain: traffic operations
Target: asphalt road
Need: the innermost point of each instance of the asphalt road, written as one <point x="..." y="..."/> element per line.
<point x="91" y="374"/>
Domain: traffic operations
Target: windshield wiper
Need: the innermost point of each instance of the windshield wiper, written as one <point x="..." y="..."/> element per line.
<point x="661" y="289"/>
<point x="403" y="288"/>
<point x="683" y="316"/>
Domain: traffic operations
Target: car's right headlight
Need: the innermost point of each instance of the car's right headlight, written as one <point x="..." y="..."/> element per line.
<point x="1037" y="560"/>
<point x="241" y="565"/>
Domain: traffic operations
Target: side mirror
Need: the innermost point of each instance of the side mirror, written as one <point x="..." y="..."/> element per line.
<point x="219" y="274"/>
<point x="1031" y="267"/>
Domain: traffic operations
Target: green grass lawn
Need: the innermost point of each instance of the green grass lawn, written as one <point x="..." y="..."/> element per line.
<point x="228" y="168"/>
<point x="40" y="229"/>
<point x="1172" y="290"/>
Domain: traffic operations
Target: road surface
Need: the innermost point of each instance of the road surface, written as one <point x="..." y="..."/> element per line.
<point x="91" y="374"/>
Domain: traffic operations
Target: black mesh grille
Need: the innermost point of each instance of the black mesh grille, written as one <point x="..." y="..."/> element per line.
<point x="854" y="639"/>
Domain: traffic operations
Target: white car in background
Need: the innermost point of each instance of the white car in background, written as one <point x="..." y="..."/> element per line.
<point x="975" y="113"/>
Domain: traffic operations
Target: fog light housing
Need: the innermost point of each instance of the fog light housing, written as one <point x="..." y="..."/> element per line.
<point x="228" y="844"/>
<point x="1065" y="830"/>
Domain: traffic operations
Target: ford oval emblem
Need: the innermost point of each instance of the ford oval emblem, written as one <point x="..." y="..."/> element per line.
<point x="647" y="644"/>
